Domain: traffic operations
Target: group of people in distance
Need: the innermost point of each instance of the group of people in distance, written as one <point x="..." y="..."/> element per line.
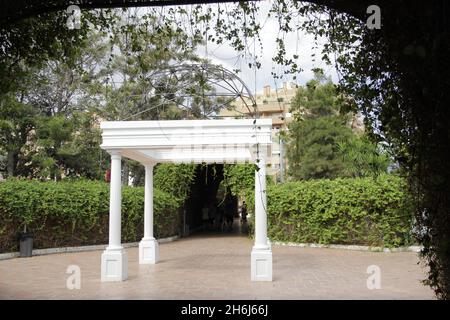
<point x="220" y="216"/>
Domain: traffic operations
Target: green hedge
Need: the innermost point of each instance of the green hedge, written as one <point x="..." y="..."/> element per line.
<point x="365" y="211"/>
<point x="239" y="178"/>
<point x="77" y="213"/>
<point x="175" y="179"/>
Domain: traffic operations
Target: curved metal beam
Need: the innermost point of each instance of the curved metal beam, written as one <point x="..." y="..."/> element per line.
<point x="215" y="76"/>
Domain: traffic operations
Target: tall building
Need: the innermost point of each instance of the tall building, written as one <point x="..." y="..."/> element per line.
<point x="274" y="104"/>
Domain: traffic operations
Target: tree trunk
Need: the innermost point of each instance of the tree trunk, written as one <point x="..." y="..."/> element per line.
<point x="125" y="173"/>
<point x="11" y="165"/>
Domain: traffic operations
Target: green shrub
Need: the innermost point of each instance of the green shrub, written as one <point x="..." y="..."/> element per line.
<point x="77" y="213"/>
<point x="239" y="178"/>
<point x="362" y="211"/>
<point x="175" y="179"/>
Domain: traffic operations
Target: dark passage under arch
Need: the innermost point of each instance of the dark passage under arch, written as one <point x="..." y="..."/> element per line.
<point x="208" y="194"/>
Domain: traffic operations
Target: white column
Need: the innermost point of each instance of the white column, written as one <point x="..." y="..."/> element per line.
<point x="115" y="203"/>
<point x="260" y="206"/>
<point x="148" y="247"/>
<point x="114" y="258"/>
<point x="261" y="257"/>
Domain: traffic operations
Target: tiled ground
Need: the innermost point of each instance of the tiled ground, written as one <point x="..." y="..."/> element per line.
<point x="218" y="267"/>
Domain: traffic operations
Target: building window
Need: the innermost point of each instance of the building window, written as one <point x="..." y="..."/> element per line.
<point x="280" y="99"/>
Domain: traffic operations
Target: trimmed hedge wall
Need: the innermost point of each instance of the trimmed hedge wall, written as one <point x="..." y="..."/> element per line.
<point x="77" y="213"/>
<point x="364" y="211"/>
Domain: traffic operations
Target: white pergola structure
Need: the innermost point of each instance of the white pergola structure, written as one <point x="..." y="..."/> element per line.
<point x="183" y="141"/>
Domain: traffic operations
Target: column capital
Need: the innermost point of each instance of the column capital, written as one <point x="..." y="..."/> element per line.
<point x="115" y="153"/>
<point x="149" y="165"/>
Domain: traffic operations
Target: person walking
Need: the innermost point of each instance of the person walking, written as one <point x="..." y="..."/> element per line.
<point x="244" y="212"/>
<point x="205" y="217"/>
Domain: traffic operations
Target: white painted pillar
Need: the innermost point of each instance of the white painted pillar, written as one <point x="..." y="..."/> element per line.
<point x="148" y="247"/>
<point x="261" y="257"/>
<point x="114" y="258"/>
<point x="260" y="207"/>
<point x="148" y="205"/>
<point x="115" y="202"/>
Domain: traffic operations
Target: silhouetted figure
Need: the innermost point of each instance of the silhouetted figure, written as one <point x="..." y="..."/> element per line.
<point x="244" y="212"/>
<point x="229" y="214"/>
<point x="205" y="217"/>
<point x="211" y="215"/>
<point x="218" y="220"/>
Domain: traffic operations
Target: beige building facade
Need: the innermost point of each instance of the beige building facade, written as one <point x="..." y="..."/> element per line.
<point x="275" y="104"/>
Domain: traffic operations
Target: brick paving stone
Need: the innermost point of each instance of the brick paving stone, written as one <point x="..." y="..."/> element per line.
<point x="218" y="267"/>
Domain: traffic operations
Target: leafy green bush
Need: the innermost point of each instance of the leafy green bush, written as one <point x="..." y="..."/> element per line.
<point x="362" y="211"/>
<point x="175" y="179"/>
<point x="239" y="178"/>
<point x="77" y="213"/>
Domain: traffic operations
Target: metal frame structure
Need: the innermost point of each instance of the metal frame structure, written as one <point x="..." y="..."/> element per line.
<point x="203" y="83"/>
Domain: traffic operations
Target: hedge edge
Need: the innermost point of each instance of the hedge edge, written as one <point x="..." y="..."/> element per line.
<point x="41" y="252"/>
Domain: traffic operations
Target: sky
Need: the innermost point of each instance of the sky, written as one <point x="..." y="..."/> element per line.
<point x="296" y="43"/>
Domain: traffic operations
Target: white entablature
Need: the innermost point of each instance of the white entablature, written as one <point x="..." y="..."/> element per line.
<point x="232" y="141"/>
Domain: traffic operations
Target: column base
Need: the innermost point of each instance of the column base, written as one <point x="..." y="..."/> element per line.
<point x="114" y="265"/>
<point x="148" y="251"/>
<point x="261" y="264"/>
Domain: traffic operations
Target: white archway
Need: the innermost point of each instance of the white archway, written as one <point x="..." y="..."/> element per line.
<point x="183" y="141"/>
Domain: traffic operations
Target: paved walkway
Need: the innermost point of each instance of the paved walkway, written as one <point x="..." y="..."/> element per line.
<point x="218" y="267"/>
